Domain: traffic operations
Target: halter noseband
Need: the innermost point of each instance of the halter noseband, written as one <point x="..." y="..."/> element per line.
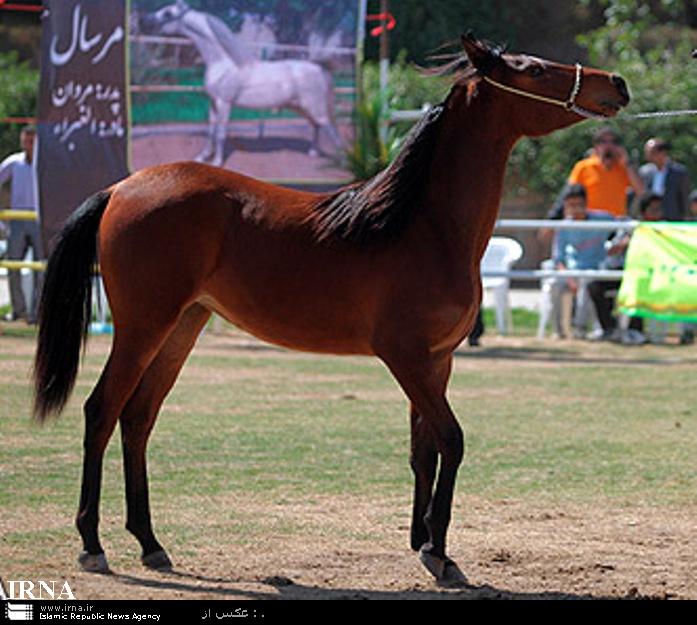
<point x="569" y="104"/>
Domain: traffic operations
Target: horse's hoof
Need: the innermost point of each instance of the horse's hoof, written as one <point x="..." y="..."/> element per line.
<point x="158" y="560"/>
<point x="453" y="577"/>
<point x="446" y="572"/>
<point x="313" y="153"/>
<point x="93" y="563"/>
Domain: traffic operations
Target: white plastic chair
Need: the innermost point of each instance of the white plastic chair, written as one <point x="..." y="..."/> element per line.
<point x="500" y="255"/>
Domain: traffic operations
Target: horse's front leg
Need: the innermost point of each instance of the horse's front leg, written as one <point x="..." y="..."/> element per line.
<point x="424" y="461"/>
<point x="208" y="149"/>
<point x="424" y="380"/>
<point x="223" y="108"/>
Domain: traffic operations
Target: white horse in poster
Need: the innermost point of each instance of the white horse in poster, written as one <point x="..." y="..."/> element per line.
<point x="235" y="76"/>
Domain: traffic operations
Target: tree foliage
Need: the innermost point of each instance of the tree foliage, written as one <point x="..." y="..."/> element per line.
<point x="408" y="89"/>
<point x="19" y="85"/>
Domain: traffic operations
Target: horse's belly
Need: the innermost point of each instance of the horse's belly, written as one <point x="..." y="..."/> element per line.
<point x="320" y="338"/>
<point x="262" y="96"/>
<point x="292" y="313"/>
<point x="265" y="90"/>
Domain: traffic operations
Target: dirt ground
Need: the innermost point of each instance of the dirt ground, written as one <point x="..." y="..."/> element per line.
<point x="357" y="548"/>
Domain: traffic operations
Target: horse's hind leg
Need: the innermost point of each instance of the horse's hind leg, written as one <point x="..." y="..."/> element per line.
<point x="137" y="421"/>
<point x="131" y="353"/>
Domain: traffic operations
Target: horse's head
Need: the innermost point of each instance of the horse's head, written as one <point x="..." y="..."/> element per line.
<point x="166" y="20"/>
<point x="547" y="95"/>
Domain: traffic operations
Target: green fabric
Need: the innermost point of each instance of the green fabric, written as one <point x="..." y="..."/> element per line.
<point x="660" y="274"/>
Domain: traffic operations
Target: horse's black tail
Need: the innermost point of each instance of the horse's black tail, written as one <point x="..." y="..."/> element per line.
<point x="65" y="307"/>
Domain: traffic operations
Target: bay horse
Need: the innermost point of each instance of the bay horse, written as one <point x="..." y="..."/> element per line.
<point x="387" y="268"/>
<point x="235" y="77"/>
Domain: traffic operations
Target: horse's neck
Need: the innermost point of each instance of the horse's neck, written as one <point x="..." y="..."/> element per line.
<point x="467" y="172"/>
<point x="196" y="27"/>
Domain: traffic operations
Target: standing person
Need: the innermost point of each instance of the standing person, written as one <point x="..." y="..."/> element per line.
<point x="607" y="174"/>
<point x="19" y="170"/>
<point x="663" y="176"/>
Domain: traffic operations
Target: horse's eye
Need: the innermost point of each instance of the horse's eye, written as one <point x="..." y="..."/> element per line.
<point x="536" y="71"/>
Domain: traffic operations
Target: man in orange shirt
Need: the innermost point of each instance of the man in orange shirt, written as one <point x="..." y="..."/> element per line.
<point x="607" y="174"/>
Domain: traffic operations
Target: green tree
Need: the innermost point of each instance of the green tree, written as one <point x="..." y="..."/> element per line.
<point x="408" y="90"/>
<point x="19" y="86"/>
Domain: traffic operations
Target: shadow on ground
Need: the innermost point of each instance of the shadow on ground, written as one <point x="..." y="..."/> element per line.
<point x="541" y="353"/>
<point x="284" y="588"/>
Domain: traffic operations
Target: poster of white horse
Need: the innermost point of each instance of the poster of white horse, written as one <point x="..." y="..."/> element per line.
<point x="286" y="77"/>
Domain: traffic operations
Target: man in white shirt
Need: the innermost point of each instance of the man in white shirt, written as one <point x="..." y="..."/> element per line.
<point x="18" y="169"/>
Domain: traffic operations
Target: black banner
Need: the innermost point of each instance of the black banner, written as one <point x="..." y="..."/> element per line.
<point x="83" y="117"/>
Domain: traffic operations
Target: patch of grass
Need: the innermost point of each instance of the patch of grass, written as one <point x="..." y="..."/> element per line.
<point x="524" y="321"/>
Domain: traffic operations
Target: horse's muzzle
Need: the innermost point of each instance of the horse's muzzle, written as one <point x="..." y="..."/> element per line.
<point x="621" y="86"/>
<point x="148" y="23"/>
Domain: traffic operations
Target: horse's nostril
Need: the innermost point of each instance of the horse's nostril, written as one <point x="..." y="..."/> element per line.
<point x="621" y="85"/>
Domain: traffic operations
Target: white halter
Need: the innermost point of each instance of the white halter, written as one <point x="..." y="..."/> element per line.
<point x="569" y="104"/>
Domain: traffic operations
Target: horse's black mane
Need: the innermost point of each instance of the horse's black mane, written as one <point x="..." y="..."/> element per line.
<point x="381" y="206"/>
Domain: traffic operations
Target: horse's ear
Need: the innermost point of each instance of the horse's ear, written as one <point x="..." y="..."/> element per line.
<point x="479" y="54"/>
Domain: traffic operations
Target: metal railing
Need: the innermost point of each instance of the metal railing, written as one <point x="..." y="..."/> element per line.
<point x="16" y="265"/>
<point x="627" y="225"/>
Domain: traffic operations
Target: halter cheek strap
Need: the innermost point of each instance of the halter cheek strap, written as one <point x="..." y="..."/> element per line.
<point x="569" y="104"/>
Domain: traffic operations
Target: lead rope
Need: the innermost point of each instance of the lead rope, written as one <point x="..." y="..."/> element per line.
<point x="657" y="114"/>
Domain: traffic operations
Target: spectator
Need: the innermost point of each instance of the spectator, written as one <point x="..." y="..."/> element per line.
<point x="651" y="207"/>
<point x="664" y="177"/>
<point x="18" y="168"/>
<point x="582" y="249"/>
<point x="607" y="174"/>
